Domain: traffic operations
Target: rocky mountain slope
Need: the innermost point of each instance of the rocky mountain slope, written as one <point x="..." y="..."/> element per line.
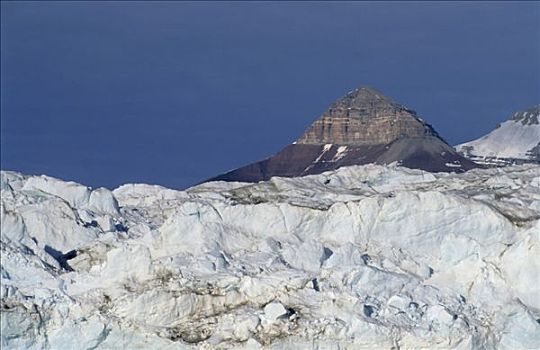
<point x="362" y="127"/>
<point x="363" y="257"/>
<point x="514" y="141"/>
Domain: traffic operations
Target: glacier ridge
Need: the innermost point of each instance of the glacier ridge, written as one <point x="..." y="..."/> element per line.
<point x="362" y="257"/>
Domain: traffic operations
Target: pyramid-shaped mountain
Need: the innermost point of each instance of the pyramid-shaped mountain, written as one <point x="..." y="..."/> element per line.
<point x="362" y="127"/>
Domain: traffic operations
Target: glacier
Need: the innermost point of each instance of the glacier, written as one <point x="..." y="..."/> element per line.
<point x="362" y="257"/>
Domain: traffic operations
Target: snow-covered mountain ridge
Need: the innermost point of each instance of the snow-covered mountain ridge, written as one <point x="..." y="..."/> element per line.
<point x="363" y="257"/>
<point x="515" y="141"/>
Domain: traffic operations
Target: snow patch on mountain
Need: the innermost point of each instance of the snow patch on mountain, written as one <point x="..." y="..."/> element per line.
<point x="360" y="257"/>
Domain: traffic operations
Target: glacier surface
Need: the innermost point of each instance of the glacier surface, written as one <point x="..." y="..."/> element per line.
<point x="364" y="257"/>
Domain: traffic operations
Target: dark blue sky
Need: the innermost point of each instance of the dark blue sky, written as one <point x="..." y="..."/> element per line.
<point x="172" y="93"/>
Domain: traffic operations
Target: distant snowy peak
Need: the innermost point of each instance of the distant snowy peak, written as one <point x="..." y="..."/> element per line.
<point x="514" y="141"/>
<point x="530" y="116"/>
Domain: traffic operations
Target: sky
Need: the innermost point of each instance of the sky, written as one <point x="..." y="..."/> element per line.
<point x="172" y="93"/>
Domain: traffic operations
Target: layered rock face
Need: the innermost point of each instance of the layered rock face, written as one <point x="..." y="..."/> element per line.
<point x="362" y="127"/>
<point x="365" y="117"/>
<point x="514" y="141"/>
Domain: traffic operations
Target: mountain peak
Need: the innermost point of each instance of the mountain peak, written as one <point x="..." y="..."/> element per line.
<point x="365" y="116"/>
<point x="362" y="127"/>
<point x="362" y="102"/>
<point x="367" y="93"/>
<point x="514" y="141"/>
<point x="529" y="116"/>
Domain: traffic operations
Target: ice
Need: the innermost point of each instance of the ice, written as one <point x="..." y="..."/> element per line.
<point x="363" y="257"/>
<point x="273" y="311"/>
<point x="102" y="201"/>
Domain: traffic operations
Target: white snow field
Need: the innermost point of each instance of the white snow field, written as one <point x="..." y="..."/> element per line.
<point x="513" y="140"/>
<point x="364" y="257"/>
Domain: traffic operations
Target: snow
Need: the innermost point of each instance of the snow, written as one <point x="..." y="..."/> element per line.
<point x="363" y="257"/>
<point x="325" y="149"/>
<point x="340" y="153"/>
<point x="511" y="140"/>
